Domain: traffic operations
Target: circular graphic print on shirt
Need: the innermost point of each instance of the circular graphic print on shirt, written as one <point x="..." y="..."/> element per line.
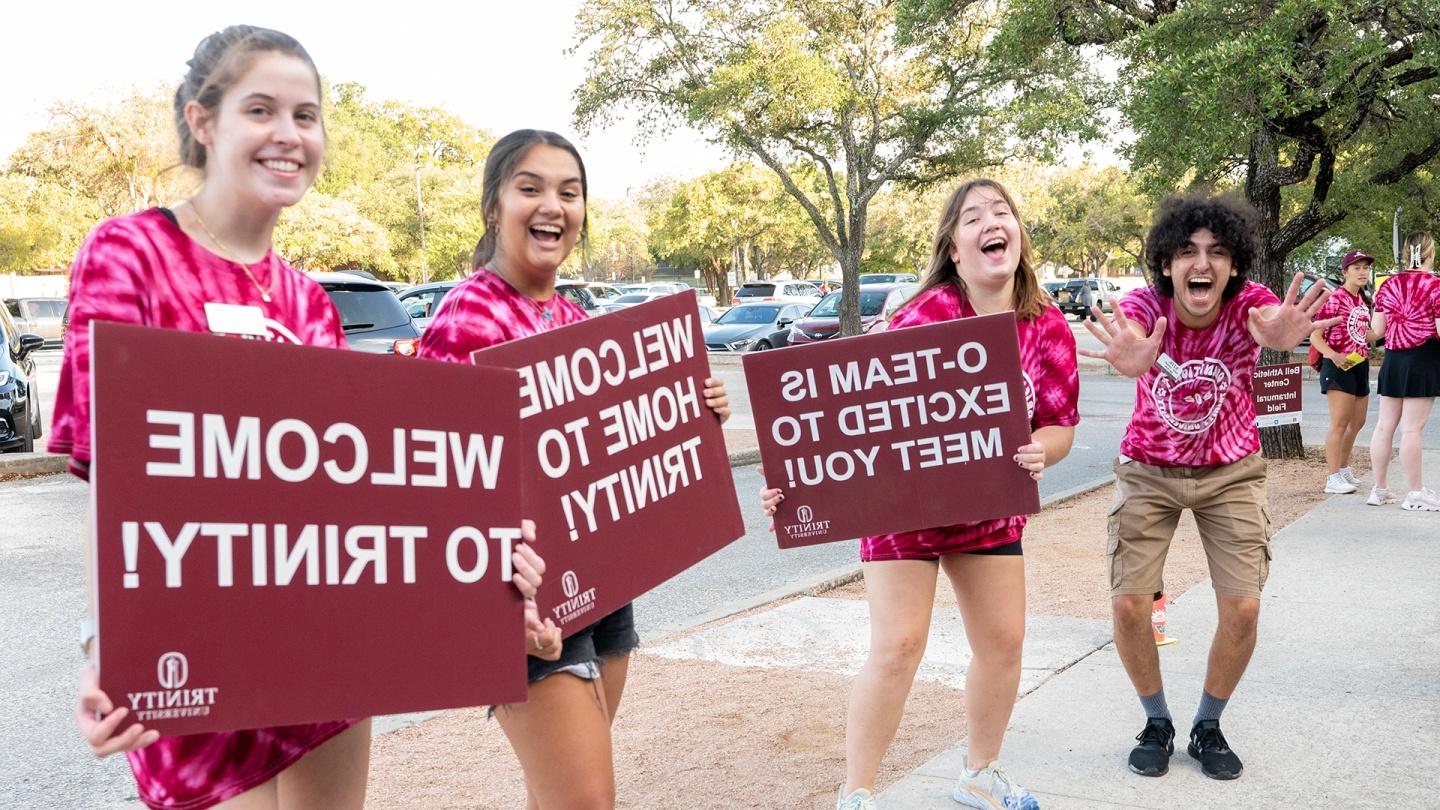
<point x="1358" y="324"/>
<point x="1191" y="404"/>
<point x="275" y="332"/>
<point x="1029" y="394"/>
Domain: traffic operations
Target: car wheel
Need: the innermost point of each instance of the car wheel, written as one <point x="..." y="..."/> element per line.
<point x="760" y="346"/>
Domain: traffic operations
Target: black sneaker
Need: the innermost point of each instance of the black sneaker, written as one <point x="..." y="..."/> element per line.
<point x="1157" y="742"/>
<point x="1208" y="745"/>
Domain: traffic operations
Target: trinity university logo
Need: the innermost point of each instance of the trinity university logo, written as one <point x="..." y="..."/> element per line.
<point x="1192" y="403"/>
<point x="172" y="670"/>
<point x="577" y="602"/>
<point x="173" y="699"/>
<point x="806" y="525"/>
<point x="1358" y="324"/>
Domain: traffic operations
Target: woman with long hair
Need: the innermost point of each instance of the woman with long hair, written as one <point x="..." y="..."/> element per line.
<point x="980" y="264"/>
<point x="1407" y="314"/>
<point x="533" y="201"/>
<point x="249" y="119"/>
<point x="1345" y="368"/>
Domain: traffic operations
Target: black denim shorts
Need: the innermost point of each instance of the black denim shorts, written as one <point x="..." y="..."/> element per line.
<point x="613" y="635"/>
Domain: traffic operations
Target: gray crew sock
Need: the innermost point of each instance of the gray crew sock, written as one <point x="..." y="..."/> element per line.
<point x="1210" y="707"/>
<point x="1155" y="705"/>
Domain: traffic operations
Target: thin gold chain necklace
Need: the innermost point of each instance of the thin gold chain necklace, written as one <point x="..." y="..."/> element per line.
<point x="229" y="255"/>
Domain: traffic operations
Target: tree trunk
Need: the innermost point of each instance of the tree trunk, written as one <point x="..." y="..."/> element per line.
<point x="1283" y="441"/>
<point x="850" y="295"/>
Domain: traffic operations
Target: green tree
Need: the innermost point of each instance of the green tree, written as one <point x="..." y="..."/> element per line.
<point x="841" y="86"/>
<point x="619" y="244"/>
<point x="1095" y="218"/>
<point x="123" y="155"/>
<point x="1307" y="106"/>
<point x="323" y="233"/>
<point x="42" y="224"/>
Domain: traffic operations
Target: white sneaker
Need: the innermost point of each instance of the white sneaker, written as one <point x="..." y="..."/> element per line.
<point x="1336" y="484"/>
<point x="859" y="799"/>
<point x="1379" y="496"/>
<point x="990" y="789"/>
<point x="1422" y="500"/>
<point x="1349" y="476"/>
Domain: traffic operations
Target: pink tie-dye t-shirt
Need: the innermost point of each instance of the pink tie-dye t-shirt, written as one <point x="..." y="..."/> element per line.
<point x="1207" y="417"/>
<point x="483" y="311"/>
<point x="142" y="269"/>
<point x="1410" y="302"/>
<point x="1052" y="392"/>
<point x="1348" y="335"/>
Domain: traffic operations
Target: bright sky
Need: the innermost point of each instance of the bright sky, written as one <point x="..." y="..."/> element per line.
<point x="498" y="65"/>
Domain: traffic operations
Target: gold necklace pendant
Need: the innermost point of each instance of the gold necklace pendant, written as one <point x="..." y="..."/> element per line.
<point x="227" y="254"/>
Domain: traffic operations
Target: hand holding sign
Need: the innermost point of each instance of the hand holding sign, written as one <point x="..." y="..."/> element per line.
<point x="98" y="718"/>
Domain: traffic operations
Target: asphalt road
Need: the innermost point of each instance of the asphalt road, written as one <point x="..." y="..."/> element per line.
<point x="43" y="761"/>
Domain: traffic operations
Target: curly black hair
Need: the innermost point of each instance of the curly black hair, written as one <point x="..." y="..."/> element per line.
<point x="1231" y="220"/>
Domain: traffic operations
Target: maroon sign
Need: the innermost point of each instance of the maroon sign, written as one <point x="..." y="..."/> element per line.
<point x="1276" y="391"/>
<point x="896" y="431"/>
<point x="287" y="534"/>
<point x="627" y="477"/>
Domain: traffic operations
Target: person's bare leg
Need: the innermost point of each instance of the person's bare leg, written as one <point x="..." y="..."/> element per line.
<point x="561" y="735"/>
<point x="1135" y="641"/>
<point x="1359" y="410"/>
<point x="901" y="594"/>
<point x="1340" y="411"/>
<point x="332" y="775"/>
<point x="1414" y="412"/>
<point x="1233" y="644"/>
<point x="1381" y="439"/>
<point x="990" y="590"/>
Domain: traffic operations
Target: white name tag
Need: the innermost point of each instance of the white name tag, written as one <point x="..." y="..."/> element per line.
<point x="235" y="319"/>
<point x="1169" y="366"/>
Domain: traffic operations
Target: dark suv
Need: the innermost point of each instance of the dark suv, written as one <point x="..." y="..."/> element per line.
<point x="370" y="314"/>
<point x="19" y="401"/>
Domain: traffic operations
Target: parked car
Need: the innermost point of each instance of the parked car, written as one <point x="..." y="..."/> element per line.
<point x="878" y="302"/>
<point x="19" y="400"/>
<point x="603" y="293"/>
<point x="1053" y="288"/>
<point x="887" y="278"/>
<point x="1104" y="291"/>
<point x="579" y="295"/>
<point x="371" y="315"/>
<point x="631" y="299"/>
<point x="421" y="301"/>
<point x="40" y="316"/>
<point x="753" y="327"/>
<point x="799" y="292"/>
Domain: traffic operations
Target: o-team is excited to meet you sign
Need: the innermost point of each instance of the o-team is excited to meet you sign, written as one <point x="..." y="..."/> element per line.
<point x="895" y="431"/>
<point x="288" y="534"/>
<point x="628" y="479"/>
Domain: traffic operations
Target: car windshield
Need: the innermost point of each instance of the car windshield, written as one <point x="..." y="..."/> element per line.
<point x="363" y="306"/>
<point x="633" y="298"/>
<point x="829" y="307"/>
<point x="877" y="278"/>
<point x="755" y="291"/>
<point x="760" y="314"/>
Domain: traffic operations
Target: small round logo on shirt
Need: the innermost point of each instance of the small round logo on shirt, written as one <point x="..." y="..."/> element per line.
<point x="1029" y="394"/>
<point x="1192" y="404"/>
<point x="1358" y="324"/>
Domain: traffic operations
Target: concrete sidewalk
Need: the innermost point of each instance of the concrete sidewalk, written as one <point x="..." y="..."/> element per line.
<point x="1339" y="707"/>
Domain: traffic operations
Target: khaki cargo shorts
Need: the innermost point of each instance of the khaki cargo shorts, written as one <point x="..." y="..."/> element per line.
<point x="1229" y="507"/>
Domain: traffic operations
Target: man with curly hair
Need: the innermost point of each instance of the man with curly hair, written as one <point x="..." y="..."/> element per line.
<point x="1192" y="341"/>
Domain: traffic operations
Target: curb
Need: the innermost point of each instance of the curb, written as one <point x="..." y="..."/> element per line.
<point x="32" y="464"/>
<point x="835" y="578"/>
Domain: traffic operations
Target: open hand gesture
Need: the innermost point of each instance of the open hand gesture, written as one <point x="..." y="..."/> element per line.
<point x="1283" y="327"/>
<point x="1127" y="348"/>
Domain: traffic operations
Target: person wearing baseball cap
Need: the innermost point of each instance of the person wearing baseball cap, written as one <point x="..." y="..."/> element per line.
<point x="1345" y="368"/>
